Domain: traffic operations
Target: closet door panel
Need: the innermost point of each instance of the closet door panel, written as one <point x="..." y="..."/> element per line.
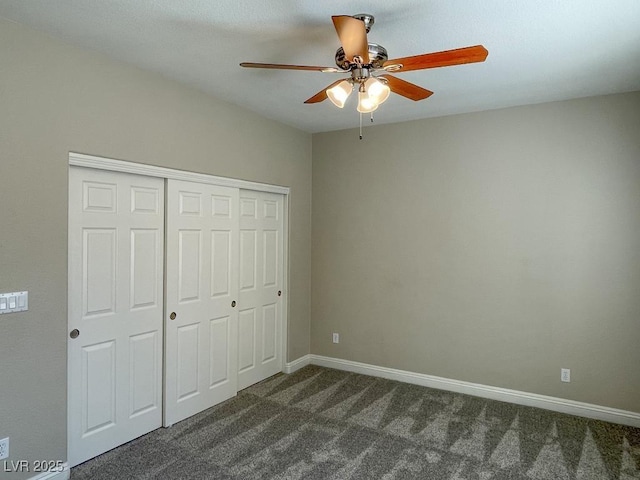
<point x="201" y="324"/>
<point x="261" y="265"/>
<point x="116" y="250"/>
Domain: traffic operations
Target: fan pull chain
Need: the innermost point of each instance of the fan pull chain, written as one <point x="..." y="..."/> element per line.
<point x="371" y="117"/>
<point x="360" y="126"/>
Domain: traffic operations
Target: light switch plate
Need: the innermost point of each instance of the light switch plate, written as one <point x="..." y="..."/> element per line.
<point x="14" y="302"/>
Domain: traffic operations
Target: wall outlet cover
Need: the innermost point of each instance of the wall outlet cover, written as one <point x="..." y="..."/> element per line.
<point x="565" y="375"/>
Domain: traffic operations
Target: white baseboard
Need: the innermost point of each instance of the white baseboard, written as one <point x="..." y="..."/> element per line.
<point x="297" y="364"/>
<point x="485" y="391"/>
<point x="62" y="474"/>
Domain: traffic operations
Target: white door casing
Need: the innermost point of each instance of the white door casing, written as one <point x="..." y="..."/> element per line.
<point x="201" y="289"/>
<point x="116" y="248"/>
<point x="261" y="283"/>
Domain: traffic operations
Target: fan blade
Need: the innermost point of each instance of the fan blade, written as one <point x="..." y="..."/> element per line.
<point x="353" y="37"/>
<point x="407" y="89"/>
<point x="322" y="94"/>
<point x="279" y="66"/>
<point x="458" y="56"/>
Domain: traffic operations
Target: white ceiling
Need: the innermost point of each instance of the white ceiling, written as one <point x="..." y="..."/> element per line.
<point x="539" y="51"/>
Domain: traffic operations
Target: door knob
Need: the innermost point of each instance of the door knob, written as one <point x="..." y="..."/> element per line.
<point x="279" y="293"/>
<point x="74" y="333"/>
<point x="173" y="316"/>
<point x="233" y="304"/>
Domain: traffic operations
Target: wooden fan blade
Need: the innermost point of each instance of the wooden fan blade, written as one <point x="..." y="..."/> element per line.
<point x="407" y="89"/>
<point x="322" y="94"/>
<point x="458" y="56"/>
<point x="353" y="37"/>
<point x="279" y="66"/>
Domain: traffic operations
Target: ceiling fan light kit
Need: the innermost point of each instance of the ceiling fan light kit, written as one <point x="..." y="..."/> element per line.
<point x="369" y="66"/>
<point x="372" y="92"/>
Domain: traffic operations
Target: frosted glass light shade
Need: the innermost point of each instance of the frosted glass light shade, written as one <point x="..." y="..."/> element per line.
<point x="339" y="94"/>
<point x="366" y="103"/>
<point x="377" y="90"/>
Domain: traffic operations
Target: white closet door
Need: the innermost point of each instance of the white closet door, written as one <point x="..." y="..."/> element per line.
<point x="260" y="296"/>
<point x="116" y="236"/>
<point x="202" y="287"/>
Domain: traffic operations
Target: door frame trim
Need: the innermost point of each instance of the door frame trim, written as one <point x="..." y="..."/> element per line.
<point x="103" y="163"/>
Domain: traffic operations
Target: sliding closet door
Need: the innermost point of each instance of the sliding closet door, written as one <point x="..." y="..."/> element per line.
<point x="261" y="283"/>
<point x="201" y="295"/>
<point x="116" y="236"/>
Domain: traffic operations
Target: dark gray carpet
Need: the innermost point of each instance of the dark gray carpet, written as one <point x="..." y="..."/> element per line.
<point x="320" y="423"/>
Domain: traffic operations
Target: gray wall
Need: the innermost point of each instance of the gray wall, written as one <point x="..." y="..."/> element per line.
<point x="55" y="98"/>
<point x="494" y="247"/>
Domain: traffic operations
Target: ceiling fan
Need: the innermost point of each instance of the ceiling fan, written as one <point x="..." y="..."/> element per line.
<point x="369" y="66"/>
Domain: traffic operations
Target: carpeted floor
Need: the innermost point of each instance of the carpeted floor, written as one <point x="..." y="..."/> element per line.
<point x="320" y="423"/>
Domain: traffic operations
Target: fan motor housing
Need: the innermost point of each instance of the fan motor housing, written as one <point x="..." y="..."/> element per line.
<point x="377" y="57"/>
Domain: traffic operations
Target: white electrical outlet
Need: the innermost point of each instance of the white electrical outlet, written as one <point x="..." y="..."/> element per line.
<point x="565" y="375"/>
<point x="4" y="448"/>
<point x="336" y="338"/>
